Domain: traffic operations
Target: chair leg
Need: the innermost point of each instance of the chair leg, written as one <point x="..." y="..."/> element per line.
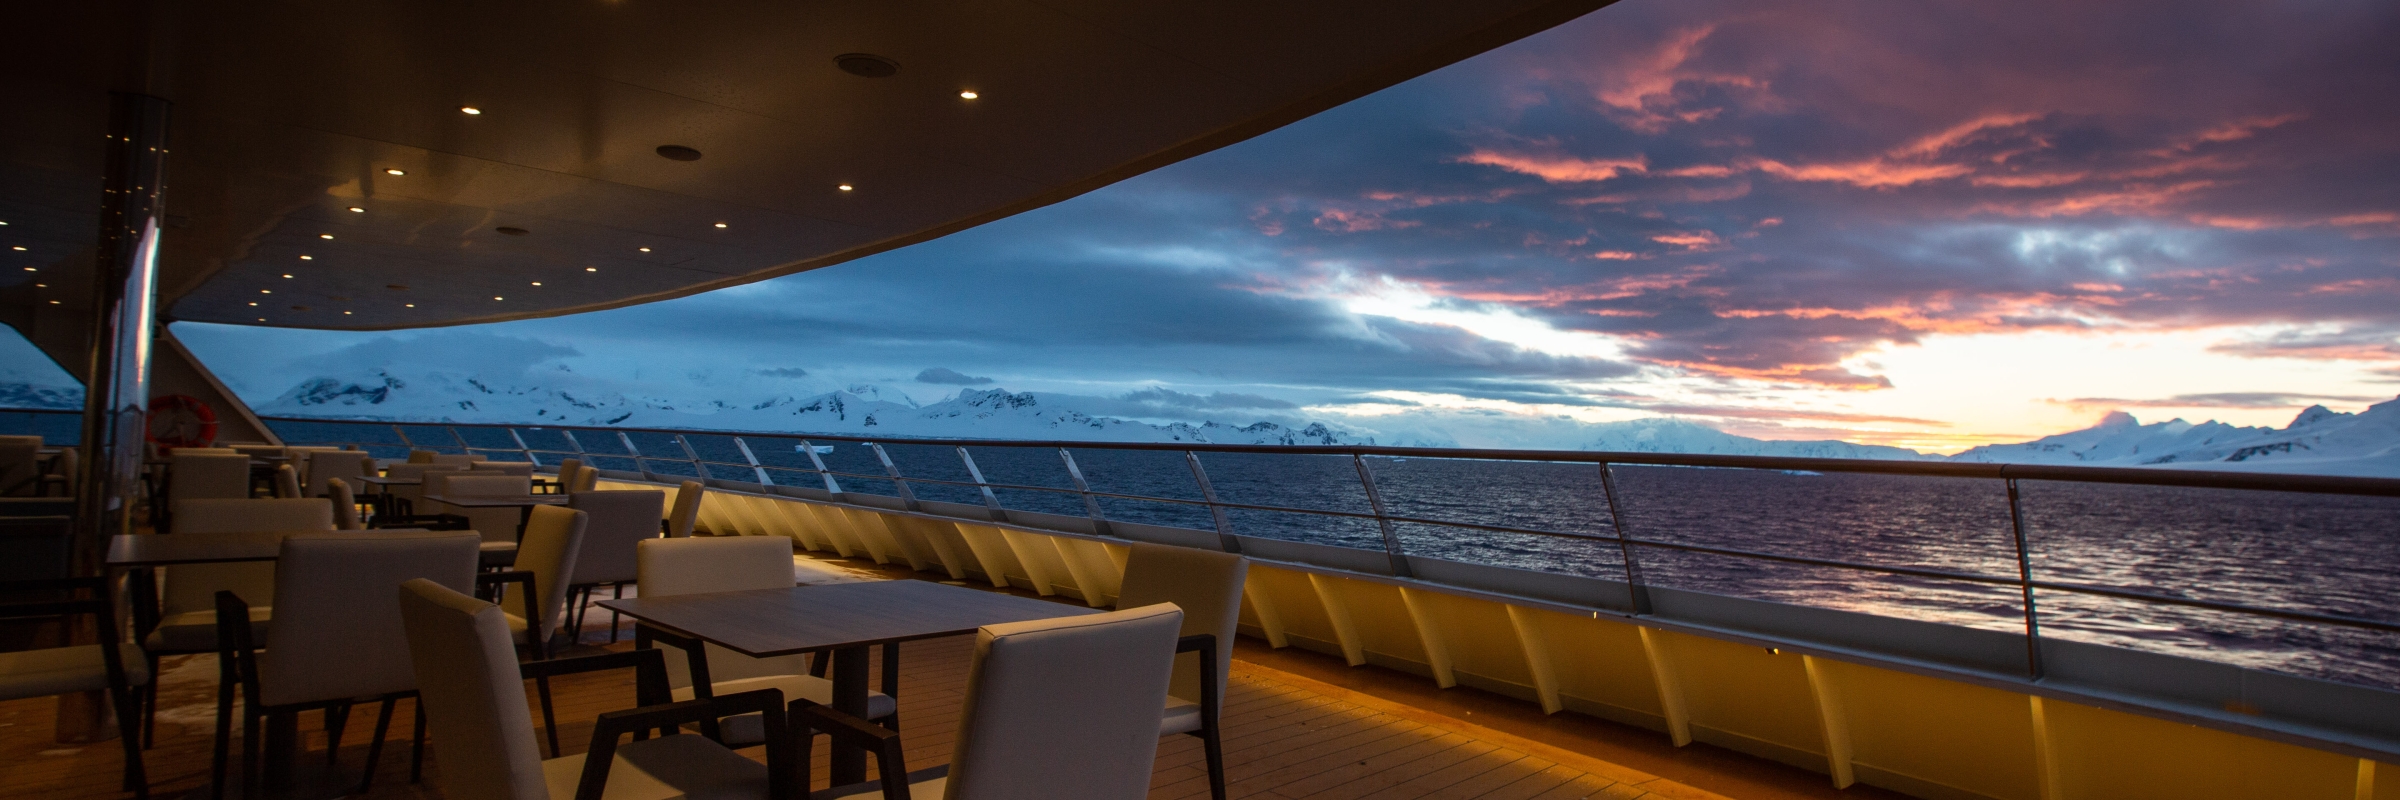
<point x="150" y="707"/>
<point x="549" y="720"/>
<point x="575" y="621"/>
<point x="416" y="745"/>
<point x="1216" y="762"/>
<point x="251" y="722"/>
<point x="126" y="699"/>
<point x="383" y="725"/>
<point x="337" y="717"/>
<point x="613" y="621"/>
<point x="216" y="767"/>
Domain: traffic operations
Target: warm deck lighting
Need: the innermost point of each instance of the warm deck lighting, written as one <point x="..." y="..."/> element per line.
<point x="41" y="286"/>
<point x="469" y="110"/>
<point x="345" y="313"/>
<point x="253" y="305"/>
<point x="266" y="291"/>
<point x="968" y="95"/>
<point x="537" y="283"/>
<point x="54" y="302"/>
<point x="410" y="305"/>
<point x="18" y="248"/>
<point x="287" y="275"/>
<point x="497" y="297"/>
<point x="30" y="269"/>
<point x="392" y="171"/>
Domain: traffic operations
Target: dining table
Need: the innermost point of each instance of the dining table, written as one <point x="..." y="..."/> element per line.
<point x="525" y="504"/>
<point x="844" y="619"/>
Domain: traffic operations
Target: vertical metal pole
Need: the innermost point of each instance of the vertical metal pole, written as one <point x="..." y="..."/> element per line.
<point x="822" y="472"/>
<point x="639" y="465"/>
<point x="463" y="447"/>
<point x="1091" y="505"/>
<point x="2033" y="631"/>
<point x="763" y="478"/>
<point x="693" y="456"/>
<point x="991" y="502"/>
<point x="405" y="443"/>
<point x="907" y="498"/>
<point x="1391" y="539"/>
<point x="1225" y="540"/>
<point x="116" y="401"/>
<point x="524" y="450"/>
<point x="1635" y="587"/>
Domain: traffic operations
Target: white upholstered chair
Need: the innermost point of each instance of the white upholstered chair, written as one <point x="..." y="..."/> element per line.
<point x="410" y="495"/>
<point x="287" y="482"/>
<point x="326" y="465"/>
<point x="620" y="521"/>
<point x="669" y="567"/>
<point x="1207" y="585"/>
<point x="586" y="479"/>
<point x="498" y="525"/>
<point x="566" y="473"/>
<point x="554" y="538"/>
<point x="115" y="667"/>
<point x="207" y="476"/>
<point x="686" y="512"/>
<point x="473" y="691"/>
<point x="1065" y="707"/>
<point x="345" y="505"/>
<point x="338" y="637"/>
<point x="185" y="618"/>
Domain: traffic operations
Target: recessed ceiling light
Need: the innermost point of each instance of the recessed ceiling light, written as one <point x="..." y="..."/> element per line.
<point x="262" y="319"/>
<point x="845" y="187"/>
<point x="357" y="210"/>
<point x="18" y="248"/>
<point x="30" y="269"/>
<point x="645" y="249"/>
<point x="676" y="152"/>
<point x="41" y="286"/>
<point x="266" y="291"/>
<point x="324" y="236"/>
<point x="505" y="230"/>
<point x="591" y="269"/>
<point x="54" y="302"/>
<point x="720" y="224"/>
<point x="287" y="276"/>
<point x="308" y="258"/>
<point x="469" y="110"/>
<point x="345" y="313"/>
<point x="392" y="171"/>
<point x="968" y="95"/>
<point x="537" y="283"/>
<point x="254" y="305"/>
<point x="3" y="223"/>
<point x="410" y="305"/>
<point x="497" y="297"/>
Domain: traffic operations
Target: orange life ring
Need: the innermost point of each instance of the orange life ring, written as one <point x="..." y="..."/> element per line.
<point x="181" y="421"/>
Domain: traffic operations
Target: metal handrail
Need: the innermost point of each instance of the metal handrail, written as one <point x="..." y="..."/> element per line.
<point x="2010" y="474"/>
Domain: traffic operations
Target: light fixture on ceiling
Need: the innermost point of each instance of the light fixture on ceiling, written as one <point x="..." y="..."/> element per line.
<point x="968" y="95"/>
<point x="470" y="110"/>
<point x="537" y="283"/>
<point x="41" y="286"/>
<point x="266" y="291"/>
<point x="645" y="249"/>
<point x="287" y="275"/>
<point x="325" y="236"/>
<point x="410" y="305"/>
<point x="720" y="224"/>
<point x="497" y="297"/>
<point x="30" y="269"/>
<point x="391" y="171"/>
<point x="3" y="223"/>
<point x="591" y="269"/>
<point x="262" y="319"/>
<point x="19" y="248"/>
<point x="845" y="187"/>
<point x="345" y="313"/>
<point x="254" y="305"/>
<point x="54" y="302"/>
<point x="867" y="65"/>
<point x="357" y="210"/>
<point x="308" y="258"/>
<point x="505" y="230"/>
<point x="676" y="152"/>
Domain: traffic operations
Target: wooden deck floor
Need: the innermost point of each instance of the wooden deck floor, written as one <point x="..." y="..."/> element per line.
<point x="1286" y="736"/>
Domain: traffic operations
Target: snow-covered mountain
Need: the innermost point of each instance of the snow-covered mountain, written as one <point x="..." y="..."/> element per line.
<point x="858" y="410"/>
<point x="1670" y="435"/>
<point x="2318" y="442"/>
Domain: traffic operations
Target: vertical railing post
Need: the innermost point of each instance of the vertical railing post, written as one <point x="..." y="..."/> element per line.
<point x="405" y="443"/>
<point x="2033" y="631"/>
<point x="907" y="498"/>
<point x="523" y="449"/>
<point x="1635" y="587"/>
<point x="763" y="478"/>
<point x="693" y="456"/>
<point x="639" y="464"/>
<point x="1225" y="540"/>
<point x="461" y="439"/>
<point x="1391" y="538"/>
<point x="1091" y="505"/>
<point x="991" y="502"/>
<point x="831" y="485"/>
<point x="575" y="443"/>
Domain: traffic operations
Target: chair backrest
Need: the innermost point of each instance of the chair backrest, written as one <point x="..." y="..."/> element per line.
<point x="524" y="468"/>
<point x="553" y="539"/>
<point x="329" y="465"/>
<point x="20" y="465"/>
<point x="337" y="632"/>
<point x="1066" y="707"/>
<point x="287" y="481"/>
<point x="345" y="505"/>
<point x="263" y="450"/>
<point x="193" y="476"/>
<point x="457" y="460"/>
<point x="416" y="470"/>
<point x="687" y="509"/>
<point x="1206" y="584"/>
<point x="67" y="465"/>
<point x="669" y="567"/>
<point x="568" y="468"/>
<point x="193" y="587"/>
<point x="621" y="520"/>
<point x="464" y="485"/>
<point x="586" y="479"/>
<point x="421" y="456"/>
<point x="474" y="697"/>
<point x="204" y="451"/>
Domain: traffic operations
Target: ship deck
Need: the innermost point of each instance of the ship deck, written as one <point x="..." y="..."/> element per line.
<point x="1298" y="725"/>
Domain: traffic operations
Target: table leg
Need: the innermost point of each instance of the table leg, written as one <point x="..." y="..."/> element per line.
<point x="281" y="749"/>
<point x="849" y="697"/>
<point x="524" y="518"/>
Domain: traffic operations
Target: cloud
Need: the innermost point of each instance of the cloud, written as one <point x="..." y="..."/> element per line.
<point x="783" y="372"/>
<point x="943" y="375"/>
<point x="1214" y="400"/>
<point x="2222" y="400"/>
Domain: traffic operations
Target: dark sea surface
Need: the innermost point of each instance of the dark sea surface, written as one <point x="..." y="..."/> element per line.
<point x="2314" y="553"/>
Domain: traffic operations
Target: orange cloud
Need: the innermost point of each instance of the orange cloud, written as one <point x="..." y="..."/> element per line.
<point x="1869" y="174"/>
<point x="1559" y="169"/>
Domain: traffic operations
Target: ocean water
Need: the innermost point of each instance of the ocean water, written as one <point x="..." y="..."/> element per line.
<point x="2314" y="553"/>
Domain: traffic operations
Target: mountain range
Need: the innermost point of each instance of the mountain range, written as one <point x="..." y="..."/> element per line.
<point x="2317" y="441"/>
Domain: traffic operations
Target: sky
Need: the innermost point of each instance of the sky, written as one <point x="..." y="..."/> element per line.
<point x="1932" y="224"/>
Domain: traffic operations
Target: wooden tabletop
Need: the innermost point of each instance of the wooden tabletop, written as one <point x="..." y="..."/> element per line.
<point x="498" y="501"/>
<point x="162" y="550"/>
<point x="774" y="622"/>
<point x="380" y="480"/>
